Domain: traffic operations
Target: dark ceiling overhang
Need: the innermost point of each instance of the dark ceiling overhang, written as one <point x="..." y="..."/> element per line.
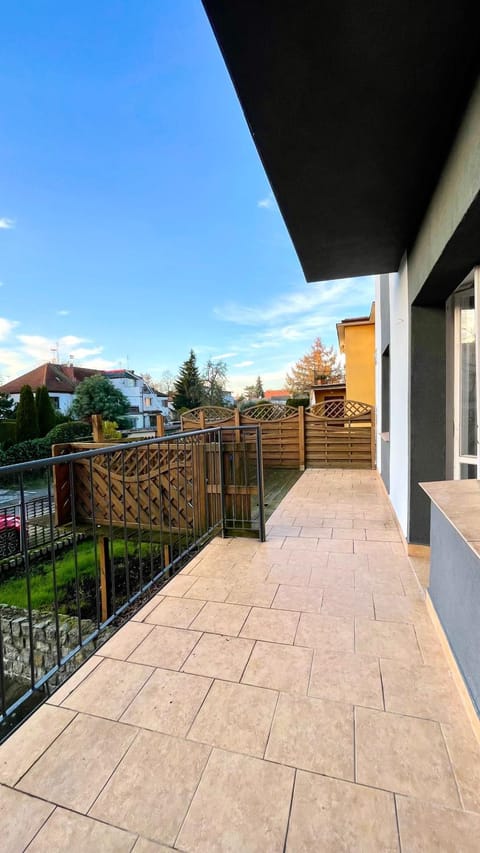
<point x="353" y="106"/>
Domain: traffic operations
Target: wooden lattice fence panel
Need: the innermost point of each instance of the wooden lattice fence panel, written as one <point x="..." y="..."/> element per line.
<point x="148" y="487"/>
<point x="339" y="442"/>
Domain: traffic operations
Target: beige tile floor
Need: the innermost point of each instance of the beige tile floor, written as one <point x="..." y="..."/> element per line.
<point x="290" y="695"/>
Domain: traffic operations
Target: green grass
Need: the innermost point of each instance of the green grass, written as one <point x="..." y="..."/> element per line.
<point x="14" y="591"/>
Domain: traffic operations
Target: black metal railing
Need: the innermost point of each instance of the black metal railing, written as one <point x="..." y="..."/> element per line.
<point x="127" y="517"/>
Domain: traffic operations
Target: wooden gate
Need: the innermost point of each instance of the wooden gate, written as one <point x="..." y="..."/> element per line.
<point x="340" y="434"/>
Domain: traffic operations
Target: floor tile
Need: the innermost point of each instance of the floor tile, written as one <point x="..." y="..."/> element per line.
<point x="291" y="574"/>
<point x="253" y="594"/>
<point x="420" y="691"/>
<point x="378" y="534"/>
<point x="405" y="755"/>
<point x="219" y="656"/>
<point x="218" y="618"/>
<point x="236" y="717"/>
<point x="335" y="816"/>
<point x="66" y="830"/>
<point x="464" y="751"/>
<point x="147" y="608"/>
<point x="242" y="804"/>
<point x="126" y="639"/>
<point x="432" y="829"/>
<point x="209" y="589"/>
<point x="76" y="766"/>
<point x="61" y="693"/>
<point x="24" y="746"/>
<point x="144" y="845"/>
<point x="347" y="602"/>
<point x="399" y="608"/>
<point x="342" y="677"/>
<point x="335" y="546"/>
<point x="332" y="576"/>
<point x="313" y="734"/>
<point x="368" y="580"/>
<point x="20" y="818"/>
<point x="395" y="640"/>
<point x="300" y="598"/>
<point x="351" y="535"/>
<point x="303" y="543"/>
<point x="283" y="530"/>
<point x="166" y="647"/>
<point x="285" y="668"/>
<point x="175" y="612"/>
<point x="168" y="702"/>
<point x="317" y="532"/>
<point x="109" y="689"/>
<point x="151" y="789"/>
<point x="328" y="633"/>
<point x="276" y="626"/>
<point x="179" y="585"/>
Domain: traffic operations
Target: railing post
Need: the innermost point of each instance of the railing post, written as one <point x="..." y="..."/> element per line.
<point x="160" y="426"/>
<point x="97" y="429"/>
<point x="105" y="578"/>
<point x="301" y="438"/>
<point x="201" y="420"/>
<point x="261" y="496"/>
<point x="222" y="481"/>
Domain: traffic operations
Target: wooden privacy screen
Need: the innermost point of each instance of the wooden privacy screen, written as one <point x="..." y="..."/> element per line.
<point x="322" y="436"/>
<point x="177" y="486"/>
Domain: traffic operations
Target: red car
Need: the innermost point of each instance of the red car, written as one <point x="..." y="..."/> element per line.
<point x="9" y="535"/>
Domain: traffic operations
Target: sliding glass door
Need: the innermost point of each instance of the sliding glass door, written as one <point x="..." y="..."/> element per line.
<point x="467" y="379"/>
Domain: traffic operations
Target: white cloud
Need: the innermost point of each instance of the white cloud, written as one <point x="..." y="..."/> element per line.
<point x="243" y="364"/>
<point x="6" y="327"/>
<point x="340" y="293"/>
<point x="268" y="203"/>
<point x="63" y="312"/>
<point x="99" y="364"/>
<point x="225" y="355"/>
<point x="6" y="223"/>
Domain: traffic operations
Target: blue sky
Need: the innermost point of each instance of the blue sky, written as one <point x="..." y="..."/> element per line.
<point x="136" y="221"/>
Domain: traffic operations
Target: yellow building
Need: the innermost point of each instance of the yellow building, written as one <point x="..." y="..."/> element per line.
<point x="356" y="339"/>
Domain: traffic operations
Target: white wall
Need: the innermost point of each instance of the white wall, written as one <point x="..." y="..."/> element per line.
<point x="399" y="393"/>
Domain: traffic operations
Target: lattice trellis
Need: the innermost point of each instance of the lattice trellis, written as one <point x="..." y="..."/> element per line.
<point x="213" y="414"/>
<point x="270" y="412"/>
<point x="341" y="409"/>
<point x="148" y="486"/>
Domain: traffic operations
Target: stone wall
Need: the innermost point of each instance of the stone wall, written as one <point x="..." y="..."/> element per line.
<point x="14" y="627"/>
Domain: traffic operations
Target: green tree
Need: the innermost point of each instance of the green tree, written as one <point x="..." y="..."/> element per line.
<point x="26" y="416"/>
<point x="98" y="396"/>
<point x="45" y="411"/>
<point x="259" y="388"/>
<point x="7" y="406"/>
<point x="188" y="386"/>
<point x="319" y="364"/>
<point x="214" y="379"/>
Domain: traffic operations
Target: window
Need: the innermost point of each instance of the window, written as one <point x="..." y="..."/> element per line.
<point x="148" y="401"/>
<point x="466" y="378"/>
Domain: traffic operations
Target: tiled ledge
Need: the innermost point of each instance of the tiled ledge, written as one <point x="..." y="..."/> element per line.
<point x="459" y="501"/>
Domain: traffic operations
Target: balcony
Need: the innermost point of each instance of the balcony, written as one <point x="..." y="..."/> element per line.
<point x="287" y="694"/>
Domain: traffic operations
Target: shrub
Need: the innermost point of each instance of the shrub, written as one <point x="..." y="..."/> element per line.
<point x="110" y="431"/>
<point x="45" y="411"/>
<point x="71" y="431"/>
<point x="7" y="433"/>
<point x="298" y="401"/>
<point x="27" y="451"/>
<point x="26" y="415"/>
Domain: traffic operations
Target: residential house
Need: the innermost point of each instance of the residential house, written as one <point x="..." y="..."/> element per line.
<point x="356" y="341"/>
<point x="366" y="117"/>
<point x="145" y="402"/>
<point x="280" y="396"/>
<point x="61" y="381"/>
